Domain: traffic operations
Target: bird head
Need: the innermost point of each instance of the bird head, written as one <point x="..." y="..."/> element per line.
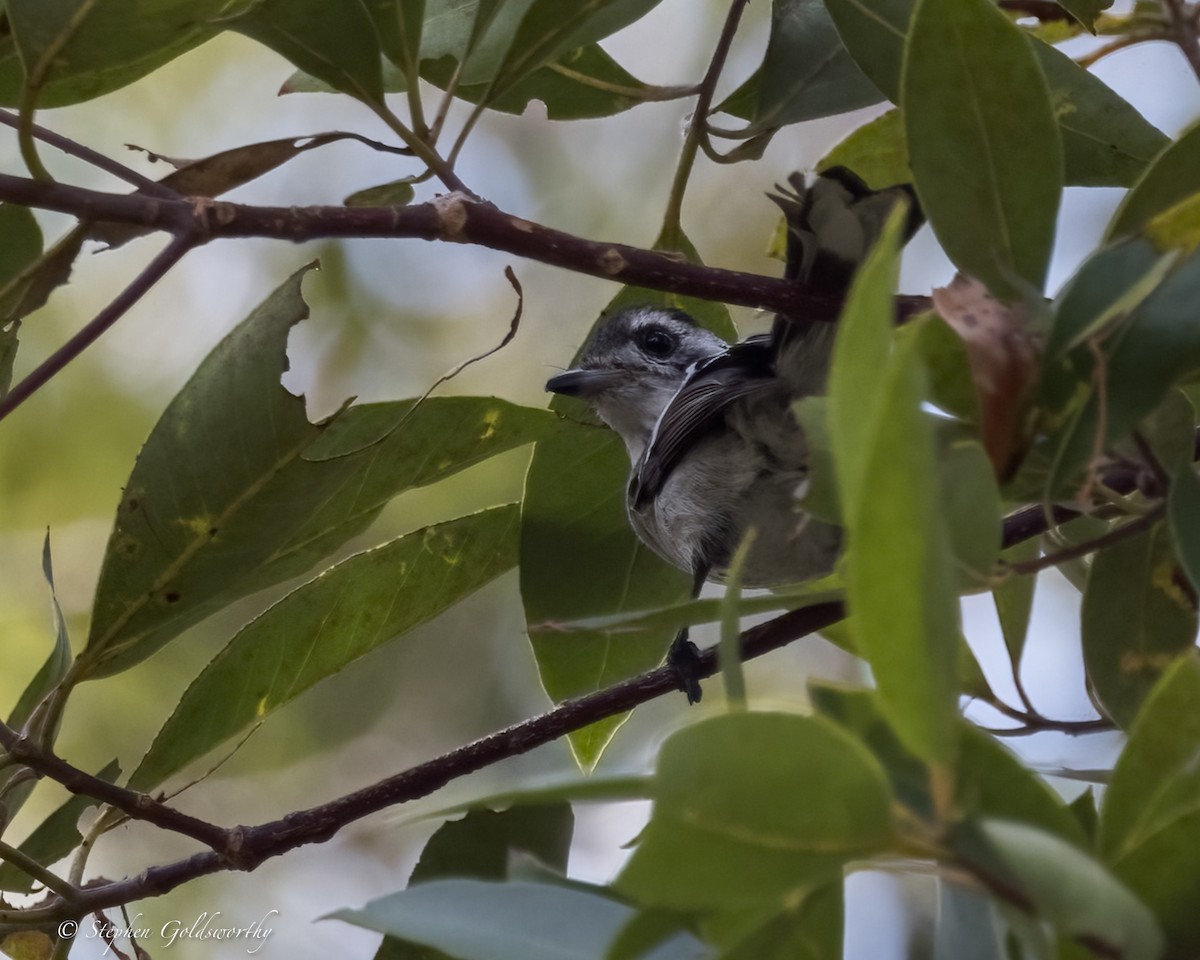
<point x="634" y="363"/>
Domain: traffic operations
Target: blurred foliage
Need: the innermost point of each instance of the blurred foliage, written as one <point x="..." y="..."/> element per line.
<point x="255" y="552"/>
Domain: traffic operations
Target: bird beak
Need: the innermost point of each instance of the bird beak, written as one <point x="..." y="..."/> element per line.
<point x="583" y="383"/>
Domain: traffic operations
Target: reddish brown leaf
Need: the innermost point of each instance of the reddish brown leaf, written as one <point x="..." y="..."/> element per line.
<point x="1003" y="361"/>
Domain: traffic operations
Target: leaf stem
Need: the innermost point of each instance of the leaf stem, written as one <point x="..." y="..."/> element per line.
<point x="671" y="228"/>
<point x="442" y="169"/>
<point x="48" y="879"/>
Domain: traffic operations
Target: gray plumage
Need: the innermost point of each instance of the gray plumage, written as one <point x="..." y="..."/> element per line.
<point x="712" y="442"/>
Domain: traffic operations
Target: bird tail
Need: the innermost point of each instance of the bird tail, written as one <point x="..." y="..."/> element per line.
<point x="831" y="227"/>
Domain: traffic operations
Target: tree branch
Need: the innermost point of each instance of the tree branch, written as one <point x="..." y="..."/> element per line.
<point x="450" y="218"/>
<point x="250" y="846"/>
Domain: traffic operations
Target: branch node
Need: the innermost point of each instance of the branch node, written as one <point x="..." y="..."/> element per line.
<point x="451" y="210"/>
<point x="611" y="261"/>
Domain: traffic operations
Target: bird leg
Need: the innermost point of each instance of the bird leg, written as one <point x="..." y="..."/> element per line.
<point x="683" y="656"/>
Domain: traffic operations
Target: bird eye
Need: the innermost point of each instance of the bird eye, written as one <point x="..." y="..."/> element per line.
<point x="657" y="342"/>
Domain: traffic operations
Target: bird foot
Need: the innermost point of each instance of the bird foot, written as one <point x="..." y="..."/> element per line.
<point x="684" y="660"/>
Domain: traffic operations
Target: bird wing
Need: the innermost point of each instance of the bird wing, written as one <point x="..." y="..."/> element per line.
<point x="697" y="406"/>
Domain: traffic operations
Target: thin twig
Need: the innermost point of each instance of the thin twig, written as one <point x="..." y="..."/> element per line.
<point x="671" y="228"/>
<point x="1116" y="535"/>
<point x="1032" y="722"/>
<point x="91" y="331"/>
<point x="98" y="160"/>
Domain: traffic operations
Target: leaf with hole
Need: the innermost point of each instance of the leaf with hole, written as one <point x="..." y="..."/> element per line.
<point x="235" y="490"/>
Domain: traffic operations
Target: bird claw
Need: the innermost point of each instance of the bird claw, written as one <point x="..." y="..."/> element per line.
<point x="684" y="660"/>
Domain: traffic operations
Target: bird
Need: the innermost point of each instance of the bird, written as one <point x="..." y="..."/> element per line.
<point x="715" y="450"/>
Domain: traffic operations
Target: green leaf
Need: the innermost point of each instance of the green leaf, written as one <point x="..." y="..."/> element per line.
<point x="983" y="142"/>
<point x="971" y="507"/>
<point x="57" y="663"/>
<point x="1162" y="870"/>
<point x="944" y="352"/>
<point x="1150" y="821"/>
<point x="457" y="28"/>
<point x="1162" y="747"/>
<point x="1068" y="889"/>
<point x="874" y="32"/>
<point x="481" y="843"/>
<point x="990" y="780"/>
<point x="1141" y="323"/>
<point x="397" y="193"/>
<point x="899" y="576"/>
<point x="477" y="920"/>
<point x="806" y="72"/>
<point x="750" y="807"/>
<point x="1086" y="813"/>
<point x="1171" y="178"/>
<point x="333" y="40"/>
<point x="20" y="243"/>
<point x="860" y="352"/>
<point x="551" y="28"/>
<point x="235" y="490"/>
<point x="1106" y="141"/>
<point x="45" y="728"/>
<point x="821" y="498"/>
<point x="579" y="557"/>
<point x="877" y="151"/>
<point x="327" y="623"/>
<point x="112" y="44"/>
<point x="1183" y="514"/>
<point x="399" y="25"/>
<point x="808" y="930"/>
<point x="580" y="84"/>
<point x="30" y="287"/>
<point x="968" y="927"/>
<point x="1086" y="11"/>
<point x="1013" y="597"/>
<point x="1136" y="621"/>
<point x="54" y="837"/>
